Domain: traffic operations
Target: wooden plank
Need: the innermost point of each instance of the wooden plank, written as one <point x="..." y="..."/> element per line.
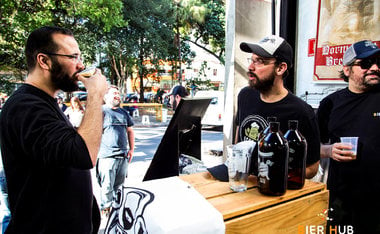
<point x="141" y="104"/>
<point x="205" y="178"/>
<point x="289" y="217"/>
<point x="157" y="107"/>
<point x="209" y="187"/>
<point x="236" y="204"/>
<point x="253" y="212"/>
<point x="199" y="179"/>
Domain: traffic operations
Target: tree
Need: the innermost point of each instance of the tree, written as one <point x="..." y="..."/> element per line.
<point x="148" y="37"/>
<point x="203" y="24"/>
<point x="141" y="45"/>
<point x="201" y="81"/>
<point x="16" y="19"/>
<point x="19" y="18"/>
<point x="121" y="34"/>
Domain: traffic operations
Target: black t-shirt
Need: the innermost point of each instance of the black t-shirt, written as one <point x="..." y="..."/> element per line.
<point x="354" y="186"/>
<point x="253" y="112"/>
<point x="46" y="164"/>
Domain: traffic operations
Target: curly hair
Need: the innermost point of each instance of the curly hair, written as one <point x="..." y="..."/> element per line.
<point x="343" y="76"/>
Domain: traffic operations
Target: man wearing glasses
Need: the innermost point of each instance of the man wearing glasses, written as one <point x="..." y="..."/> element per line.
<point x="266" y="96"/>
<point x="354" y="182"/>
<point x="47" y="161"/>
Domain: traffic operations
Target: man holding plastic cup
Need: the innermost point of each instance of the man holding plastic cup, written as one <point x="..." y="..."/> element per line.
<point x="354" y="179"/>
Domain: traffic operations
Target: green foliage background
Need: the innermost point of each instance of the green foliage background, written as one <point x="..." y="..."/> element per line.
<point x="120" y="34"/>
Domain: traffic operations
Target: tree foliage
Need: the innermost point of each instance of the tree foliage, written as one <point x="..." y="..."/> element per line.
<point x="203" y="24"/>
<point x="122" y="35"/>
<point x="151" y="34"/>
<point x="19" y="18"/>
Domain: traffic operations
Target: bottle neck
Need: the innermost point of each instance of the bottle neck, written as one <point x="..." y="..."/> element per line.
<point x="293" y="125"/>
<point x="274" y="126"/>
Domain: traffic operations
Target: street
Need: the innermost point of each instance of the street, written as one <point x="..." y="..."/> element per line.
<point x="148" y="139"/>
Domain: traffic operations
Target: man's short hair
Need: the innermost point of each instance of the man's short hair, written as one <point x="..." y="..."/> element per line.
<point x="41" y="41"/>
<point x="113" y="87"/>
<point x="343" y="76"/>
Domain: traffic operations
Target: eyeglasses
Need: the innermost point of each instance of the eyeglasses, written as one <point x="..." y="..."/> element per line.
<point x="76" y="57"/>
<point x="260" y="61"/>
<point x="367" y="63"/>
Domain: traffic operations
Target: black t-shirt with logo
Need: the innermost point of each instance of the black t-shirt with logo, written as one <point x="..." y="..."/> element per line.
<point x="354" y="186"/>
<point x="252" y="116"/>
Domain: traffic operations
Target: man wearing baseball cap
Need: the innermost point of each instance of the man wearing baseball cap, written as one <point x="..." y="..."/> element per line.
<point x="354" y="180"/>
<point x="266" y="96"/>
<point x="175" y="95"/>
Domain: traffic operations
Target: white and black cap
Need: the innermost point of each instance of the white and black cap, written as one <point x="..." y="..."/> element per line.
<point x="271" y="47"/>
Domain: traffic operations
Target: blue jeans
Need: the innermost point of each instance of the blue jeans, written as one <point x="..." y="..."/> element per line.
<point x="111" y="173"/>
<point x="5" y="214"/>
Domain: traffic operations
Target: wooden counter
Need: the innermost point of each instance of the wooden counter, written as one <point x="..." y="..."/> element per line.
<point x="156" y="106"/>
<point x="253" y="212"/>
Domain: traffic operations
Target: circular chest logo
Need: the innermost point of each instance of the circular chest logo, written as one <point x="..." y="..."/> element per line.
<point x="251" y="126"/>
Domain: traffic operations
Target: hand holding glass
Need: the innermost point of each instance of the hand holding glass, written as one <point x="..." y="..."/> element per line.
<point x="88" y="72"/>
<point x="353" y="142"/>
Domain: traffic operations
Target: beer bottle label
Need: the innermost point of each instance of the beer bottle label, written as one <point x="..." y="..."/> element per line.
<point x="265" y="163"/>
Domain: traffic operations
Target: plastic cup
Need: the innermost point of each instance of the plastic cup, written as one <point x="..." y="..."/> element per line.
<point x="238" y="168"/>
<point x="353" y="141"/>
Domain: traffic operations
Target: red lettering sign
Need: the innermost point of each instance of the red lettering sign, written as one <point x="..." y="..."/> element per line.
<point x="335" y="35"/>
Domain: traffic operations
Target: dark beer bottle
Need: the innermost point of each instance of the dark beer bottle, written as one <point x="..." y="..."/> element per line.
<point x="273" y="162"/>
<point x="297" y="156"/>
<point x="261" y="135"/>
<point x="265" y="131"/>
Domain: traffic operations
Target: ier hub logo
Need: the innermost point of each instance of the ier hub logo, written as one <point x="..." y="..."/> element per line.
<point x="321" y="229"/>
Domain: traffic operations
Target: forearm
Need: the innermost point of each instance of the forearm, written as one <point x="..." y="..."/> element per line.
<point x="236" y="135"/>
<point x="91" y="127"/>
<point x="325" y="151"/>
<point x="131" y="139"/>
<point x="311" y="170"/>
<point x="131" y="142"/>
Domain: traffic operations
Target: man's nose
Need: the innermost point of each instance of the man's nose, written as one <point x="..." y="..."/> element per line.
<point x="374" y="67"/>
<point x="251" y="67"/>
<point x="80" y="65"/>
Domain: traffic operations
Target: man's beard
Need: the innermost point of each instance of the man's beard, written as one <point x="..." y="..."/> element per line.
<point x="370" y="86"/>
<point x="174" y="104"/>
<point x="115" y="103"/>
<point x="262" y="86"/>
<point x="61" y="80"/>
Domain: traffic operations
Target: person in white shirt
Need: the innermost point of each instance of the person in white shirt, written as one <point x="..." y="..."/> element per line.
<point x="75" y="112"/>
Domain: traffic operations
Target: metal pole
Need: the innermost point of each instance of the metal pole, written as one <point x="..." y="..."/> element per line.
<point x="179" y="48"/>
<point x="274" y="17"/>
<point x="179" y="58"/>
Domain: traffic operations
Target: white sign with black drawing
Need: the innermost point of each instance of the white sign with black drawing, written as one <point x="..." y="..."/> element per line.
<point x="167" y="206"/>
